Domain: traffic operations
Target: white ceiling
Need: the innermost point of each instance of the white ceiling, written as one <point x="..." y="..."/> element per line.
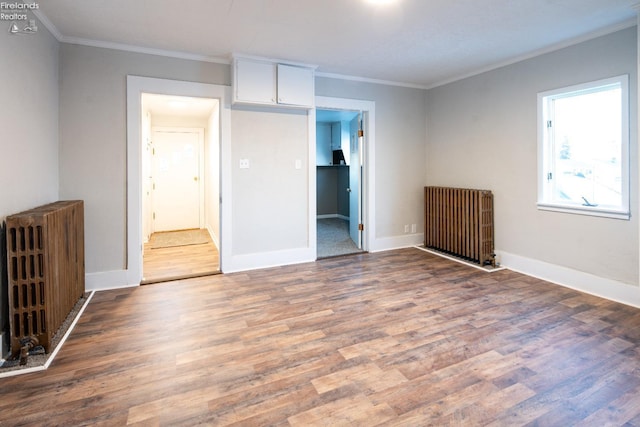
<point x="178" y="106"/>
<point x="414" y="42"/>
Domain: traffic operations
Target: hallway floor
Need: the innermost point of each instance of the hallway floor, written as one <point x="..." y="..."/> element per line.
<point x="162" y="264"/>
<point x="334" y="239"/>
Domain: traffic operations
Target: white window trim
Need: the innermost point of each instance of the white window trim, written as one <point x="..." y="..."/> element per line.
<point x="543" y="204"/>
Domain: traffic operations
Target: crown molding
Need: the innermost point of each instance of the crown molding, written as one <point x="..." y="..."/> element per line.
<point x="204" y="58"/>
<point x="47" y="24"/>
<point x="369" y="80"/>
<point x="122" y="46"/>
<point x="144" y="50"/>
<point x="235" y="56"/>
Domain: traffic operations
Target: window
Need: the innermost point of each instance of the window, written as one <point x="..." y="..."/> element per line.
<point x="584" y="148"/>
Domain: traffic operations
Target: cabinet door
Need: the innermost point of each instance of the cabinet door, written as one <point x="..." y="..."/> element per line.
<point x="324" y="156"/>
<point x="255" y="82"/>
<point x="295" y="86"/>
<point x="336" y="136"/>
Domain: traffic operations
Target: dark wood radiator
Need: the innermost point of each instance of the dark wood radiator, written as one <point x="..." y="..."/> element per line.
<point x="45" y="256"/>
<point x="459" y="222"/>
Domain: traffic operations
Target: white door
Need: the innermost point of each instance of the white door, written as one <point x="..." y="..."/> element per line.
<point x="355" y="183"/>
<point x="176" y="180"/>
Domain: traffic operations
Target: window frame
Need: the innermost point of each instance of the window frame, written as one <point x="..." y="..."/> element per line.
<point x="545" y="153"/>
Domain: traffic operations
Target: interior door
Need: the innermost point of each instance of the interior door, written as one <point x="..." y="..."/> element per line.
<point x="176" y="180"/>
<point x="355" y="183"/>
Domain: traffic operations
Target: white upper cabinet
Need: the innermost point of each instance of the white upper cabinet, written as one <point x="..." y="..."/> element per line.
<point x="266" y="82"/>
<point x="295" y="85"/>
<point x="254" y="82"/>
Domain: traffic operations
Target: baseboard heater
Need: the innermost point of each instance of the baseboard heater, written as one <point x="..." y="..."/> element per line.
<point x="45" y="251"/>
<point x="459" y="222"/>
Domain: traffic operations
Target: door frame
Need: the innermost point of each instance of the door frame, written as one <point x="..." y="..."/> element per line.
<point x="136" y="86"/>
<point x="368" y="109"/>
<point x="201" y="142"/>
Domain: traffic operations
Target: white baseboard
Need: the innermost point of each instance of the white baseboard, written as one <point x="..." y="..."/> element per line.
<point x="574" y="279"/>
<point x="55" y="351"/>
<point x="237" y="263"/>
<point x="396" y="242"/>
<point x="327" y="216"/>
<point x="486" y="269"/>
<point x="108" y="280"/>
<point x="215" y="239"/>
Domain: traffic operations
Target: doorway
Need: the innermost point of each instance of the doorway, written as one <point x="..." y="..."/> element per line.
<point x="367" y="120"/>
<point x="338" y="182"/>
<point x="180" y="187"/>
<point x="136" y="132"/>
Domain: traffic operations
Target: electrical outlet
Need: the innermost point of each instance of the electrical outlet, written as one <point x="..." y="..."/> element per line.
<point x="406" y="228"/>
<point x="244" y="163"/>
<point x="413" y="228"/>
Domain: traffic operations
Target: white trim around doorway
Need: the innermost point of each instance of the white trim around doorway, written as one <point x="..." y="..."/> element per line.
<point x="136" y="86"/>
<point x="368" y="184"/>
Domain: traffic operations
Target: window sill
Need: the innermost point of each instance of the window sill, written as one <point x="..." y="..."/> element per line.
<point x="585" y="210"/>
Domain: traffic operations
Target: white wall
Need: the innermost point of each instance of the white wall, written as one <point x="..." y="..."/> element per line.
<point x="179" y="121"/>
<point x="482" y="134"/>
<point x="146" y="173"/>
<point x="29" y="123"/>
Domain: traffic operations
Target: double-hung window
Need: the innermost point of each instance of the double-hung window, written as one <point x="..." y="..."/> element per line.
<point x="584" y="148"/>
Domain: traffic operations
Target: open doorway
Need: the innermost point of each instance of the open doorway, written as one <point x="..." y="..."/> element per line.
<point x="180" y="187"/>
<point x="339" y="178"/>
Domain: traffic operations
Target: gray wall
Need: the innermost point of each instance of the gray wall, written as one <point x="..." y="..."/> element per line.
<point x="67" y="115"/>
<point x="326" y="190"/>
<point x="331" y="190"/>
<point x="400" y="170"/>
<point x="93" y="137"/>
<point x="270" y="198"/>
<point x="93" y="153"/>
<point x="29" y="123"/>
<point x="482" y="134"/>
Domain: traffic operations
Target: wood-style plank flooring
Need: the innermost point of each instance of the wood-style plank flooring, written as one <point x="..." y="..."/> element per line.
<point x="399" y="338"/>
<point x="165" y="264"/>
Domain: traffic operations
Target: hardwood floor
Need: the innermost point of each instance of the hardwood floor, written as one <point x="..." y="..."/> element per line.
<point x="398" y="338"/>
<point x="178" y="262"/>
